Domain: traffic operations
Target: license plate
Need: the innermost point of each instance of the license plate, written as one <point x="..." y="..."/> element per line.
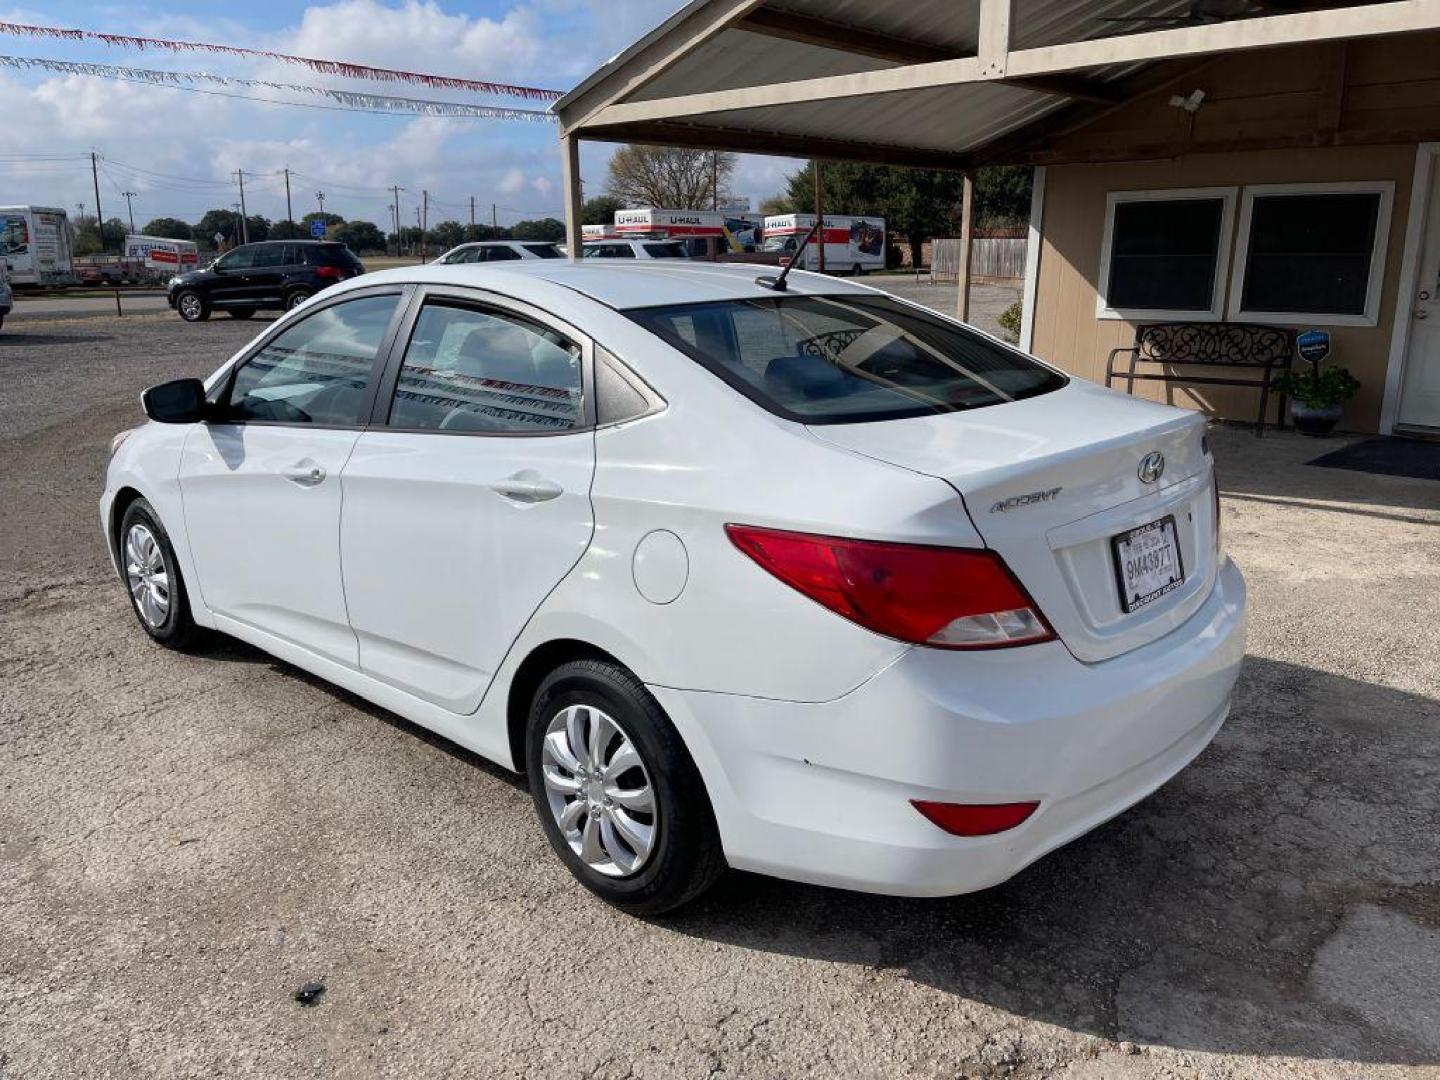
<point x="1147" y="563"/>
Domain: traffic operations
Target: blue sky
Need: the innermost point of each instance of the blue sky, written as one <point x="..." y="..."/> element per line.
<point x="178" y="150"/>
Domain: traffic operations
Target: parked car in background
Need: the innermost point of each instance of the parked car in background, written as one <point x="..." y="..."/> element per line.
<point x="273" y="275"/>
<point x="815" y="583"/>
<point x="636" y="249"/>
<point x="499" y="251"/>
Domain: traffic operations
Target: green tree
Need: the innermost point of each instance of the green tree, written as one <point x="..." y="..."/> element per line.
<point x="89" y="240"/>
<point x="675" y="178"/>
<point x="224" y="222"/>
<point x="286" y="230"/>
<point x="547" y="229"/>
<point x="331" y="220"/>
<point x="257" y="228"/>
<point x="168" y="227"/>
<point x="600" y="210"/>
<point x="1002" y="195"/>
<point x="475" y="233"/>
<point x="776" y="204"/>
<point x="447" y="234"/>
<point x="359" y="236"/>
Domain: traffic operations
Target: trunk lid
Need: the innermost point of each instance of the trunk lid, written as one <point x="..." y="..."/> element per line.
<point x="1050" y="481"/>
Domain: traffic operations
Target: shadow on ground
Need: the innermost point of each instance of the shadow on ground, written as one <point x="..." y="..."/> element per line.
<point x="1281" y="897"/>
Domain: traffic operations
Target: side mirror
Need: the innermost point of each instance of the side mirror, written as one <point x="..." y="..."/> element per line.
<point x="179" y="402"/>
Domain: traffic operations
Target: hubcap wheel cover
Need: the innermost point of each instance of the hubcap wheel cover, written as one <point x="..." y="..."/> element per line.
<point x="599" y="791"/>
<point x="296" y="299"/>
<point x="190" y="306"/>
<point x="146" y="575"/>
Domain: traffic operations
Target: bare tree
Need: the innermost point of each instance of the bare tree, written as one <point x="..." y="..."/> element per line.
<point x="678" y="179"/>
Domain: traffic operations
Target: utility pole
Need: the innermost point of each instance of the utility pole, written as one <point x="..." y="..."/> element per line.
<point x="494" y="220"/>
<point x="289" y="213"/>
<point x="420" y="225"/>
<point x="244" y="224"/>
<point x="320" y="198"/>
<point x="100" y="219"/>
<point x="424" y="219"/>
<point x="395" y="190"/>
<point x="472" y="211"/>
<point x="819" y="219"/>
<point x="714" y="180"/>
<point x="129" y="207"/>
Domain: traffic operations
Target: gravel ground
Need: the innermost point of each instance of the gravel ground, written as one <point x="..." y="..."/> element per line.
<point x="186" y="840"/>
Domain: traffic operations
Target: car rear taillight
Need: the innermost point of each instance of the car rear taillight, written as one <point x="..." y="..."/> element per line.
<point x="330" y="273"/>
<point x="975" y="819"/>
<point x="951" y="598"/>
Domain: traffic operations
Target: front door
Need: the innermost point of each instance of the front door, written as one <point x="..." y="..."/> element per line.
<point x="468" y="499"/>
<point x="261" y="482"/>
<point x="231" y="284"/>
<point x="1420" y="391"/>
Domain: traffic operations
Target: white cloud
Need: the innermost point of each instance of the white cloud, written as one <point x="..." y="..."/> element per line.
<point x="543" y="186"/>
<point x="512" y="181"/>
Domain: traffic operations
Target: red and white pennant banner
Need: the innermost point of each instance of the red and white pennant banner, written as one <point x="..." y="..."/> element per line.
<point x="324" y="67"/>
<point x="349" y="98"/>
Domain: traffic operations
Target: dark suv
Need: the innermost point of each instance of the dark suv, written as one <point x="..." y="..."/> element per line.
<point x="269" y="276"/>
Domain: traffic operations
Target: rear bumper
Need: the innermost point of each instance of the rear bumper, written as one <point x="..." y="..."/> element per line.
<point x="821" y="792"/>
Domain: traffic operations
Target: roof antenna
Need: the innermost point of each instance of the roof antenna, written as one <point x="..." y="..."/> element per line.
<point x="767" y="281"/>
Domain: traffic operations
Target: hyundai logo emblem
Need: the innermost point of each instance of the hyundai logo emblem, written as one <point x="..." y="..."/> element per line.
<point x="1152" y="465"/>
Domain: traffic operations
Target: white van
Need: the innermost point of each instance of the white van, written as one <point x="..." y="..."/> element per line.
<point x="35" y="241"/>
<point x="853" y="245"/>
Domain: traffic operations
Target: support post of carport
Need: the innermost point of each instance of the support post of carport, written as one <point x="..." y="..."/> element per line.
<point x="967" y="223"/>
<point x="570" y="165"/>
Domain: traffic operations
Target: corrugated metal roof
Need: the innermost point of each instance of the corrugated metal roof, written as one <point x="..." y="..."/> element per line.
<point x="955" y="118"/>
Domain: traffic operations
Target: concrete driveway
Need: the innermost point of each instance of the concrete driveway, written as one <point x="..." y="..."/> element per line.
<point x="185" y="840"/>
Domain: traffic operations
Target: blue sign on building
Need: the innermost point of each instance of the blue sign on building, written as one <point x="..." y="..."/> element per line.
<point x="317" y="230"/>
<point x="1313" y="345"/>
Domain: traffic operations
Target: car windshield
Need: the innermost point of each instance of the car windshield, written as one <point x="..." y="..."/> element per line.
<point x="778" y="243"/>
<point x="846" y="359"/>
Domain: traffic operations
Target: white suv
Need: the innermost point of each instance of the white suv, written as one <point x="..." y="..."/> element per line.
<point x="499" y="251"/>
<point x="636" y="249"/>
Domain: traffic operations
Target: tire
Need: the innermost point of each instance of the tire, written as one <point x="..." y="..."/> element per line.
<point x="242" y="313"/>
<point x="192" y="306"/>
<point x="858" y="271"/>
<point x="684" y="856"/>
<point x="296" y="297"/>
<point x="140" y="564"/>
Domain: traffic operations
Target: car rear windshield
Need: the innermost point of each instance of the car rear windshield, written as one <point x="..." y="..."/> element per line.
<point x="331" y="255"/>
<point x="847" y="359"/>
<point x="543" y="251"/>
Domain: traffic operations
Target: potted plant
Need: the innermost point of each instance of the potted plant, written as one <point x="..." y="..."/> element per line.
<point x="1317" y="396"/>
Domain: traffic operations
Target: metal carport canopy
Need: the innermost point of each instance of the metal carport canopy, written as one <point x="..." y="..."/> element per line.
<point x="929" y="83"/>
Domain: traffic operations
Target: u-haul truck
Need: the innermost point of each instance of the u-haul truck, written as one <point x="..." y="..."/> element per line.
<point x="853" y="245"/>
<point x="701" y="230"/>
<point x="35" y="243"/>
<point x="159" y="257"/>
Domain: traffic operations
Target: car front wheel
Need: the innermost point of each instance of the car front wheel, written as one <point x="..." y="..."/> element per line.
<point x="192" y="306"/>
<point x="618" y="795"/>
<point x="296" y="297"/>
<point x="157" y="591"/>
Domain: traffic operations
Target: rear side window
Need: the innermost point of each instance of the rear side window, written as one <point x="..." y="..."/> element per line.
<point x="269" y="255"/>
<point x="837" y="360"/>
<point x="331" y="255"/>
<point x="666" y="251"/>
<point x="499" y="253"/>
<point x="482" y="370"/>
<point x="316" y="371"/>
<point x="543" y="251"/>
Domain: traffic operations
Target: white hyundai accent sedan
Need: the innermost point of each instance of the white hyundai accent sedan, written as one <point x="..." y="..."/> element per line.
<point x="811" y="581"/>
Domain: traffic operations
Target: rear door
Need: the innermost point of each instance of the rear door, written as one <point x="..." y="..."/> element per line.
<point x="267" y="274"/>
<point x="468" y="498"/>
<point x="261" y="482"/>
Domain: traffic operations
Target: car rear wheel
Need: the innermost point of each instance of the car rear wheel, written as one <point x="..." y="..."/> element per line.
<point x="192" y="306"/>
<point x="295" y="297"/>
<point x="157" y="591"/>
<point x="618" y="795"/>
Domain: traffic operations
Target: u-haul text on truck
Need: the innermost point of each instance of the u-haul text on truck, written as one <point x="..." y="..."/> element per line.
<point x="161" y="256"/>
<point x="699" y="228"/>
<point x="853" y="245"/>
<point x="35" y="244"/>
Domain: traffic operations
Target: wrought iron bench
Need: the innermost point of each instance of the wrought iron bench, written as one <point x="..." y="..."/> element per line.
<point x="1267" y="350"/>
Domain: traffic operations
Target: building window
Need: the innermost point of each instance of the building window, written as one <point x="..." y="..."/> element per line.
<point x="1312" y="253"/>
<point x="1164" y="253"/>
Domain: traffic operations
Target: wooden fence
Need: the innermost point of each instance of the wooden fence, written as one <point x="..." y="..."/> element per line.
<point x="991" y="257"/>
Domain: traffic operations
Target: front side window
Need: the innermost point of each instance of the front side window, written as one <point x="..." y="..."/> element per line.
<point x="544" y="251"/>
<point x="316" y="371"/>
<point x="239" y="259"/>
<point x="1165" y="253"/>
<point x="609" y="251"/>
<point x="499" y="253"/>
<point x="486" y="371"/>
<point x="459" y="255"/>
<point x="270" y="255"/>
<point x="1308" y="253"/>
<point x="846" y="359"/>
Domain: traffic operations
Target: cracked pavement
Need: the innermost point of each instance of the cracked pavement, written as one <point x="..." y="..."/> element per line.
<point x="186" y="840"/>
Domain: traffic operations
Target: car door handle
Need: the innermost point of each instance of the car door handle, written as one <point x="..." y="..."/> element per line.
<point x="527" y="486"/>
<point x="306" y="473"/>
